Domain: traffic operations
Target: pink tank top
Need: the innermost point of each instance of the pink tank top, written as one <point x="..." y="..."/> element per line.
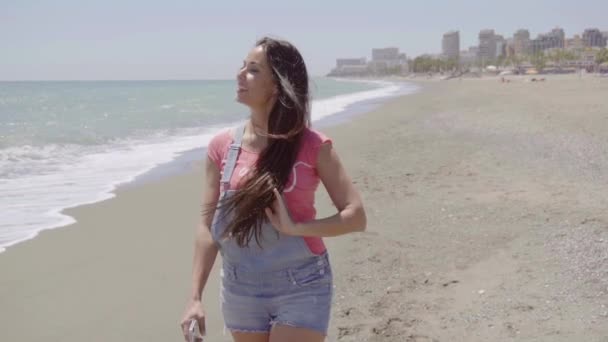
<point x="300" y="190"/>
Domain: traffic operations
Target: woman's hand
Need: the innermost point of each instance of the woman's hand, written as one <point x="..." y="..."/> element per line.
<point x="279" y="216"/>
<point x="194" y="310"/>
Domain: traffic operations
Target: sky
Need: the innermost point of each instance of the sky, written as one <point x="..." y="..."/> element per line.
<point x="205" y="39"/>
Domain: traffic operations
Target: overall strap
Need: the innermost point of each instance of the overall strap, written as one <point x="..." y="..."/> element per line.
<point x="233" y="154"/>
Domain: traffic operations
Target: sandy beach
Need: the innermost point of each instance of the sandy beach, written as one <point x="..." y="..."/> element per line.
<point x="487" y="221"/>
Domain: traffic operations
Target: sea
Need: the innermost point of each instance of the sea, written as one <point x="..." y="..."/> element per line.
<point x="69" y="143"/>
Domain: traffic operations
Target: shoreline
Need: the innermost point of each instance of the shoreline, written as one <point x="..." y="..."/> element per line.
<point x="182" y="162"/>
<point x="99" y="243"/>
<point x="486" y="222"/>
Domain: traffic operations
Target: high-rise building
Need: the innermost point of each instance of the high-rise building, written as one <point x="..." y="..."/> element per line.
<point x="487" y="45"/>
<point x="594" y="38"/>
<point x="451" y="45"/>
<point x="510" y="48"/>
<point x="501" y="46"/>
<point x="552" y="40"/>
<point x="575" y="43"/>
<point x="558" y="32"/>
<point x="521" y="42"/>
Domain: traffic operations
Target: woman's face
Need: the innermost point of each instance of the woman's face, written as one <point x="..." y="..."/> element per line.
<point x="256" y="86"/>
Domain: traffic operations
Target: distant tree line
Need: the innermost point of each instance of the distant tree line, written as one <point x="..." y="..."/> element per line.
<point x="558" y="58"/>
<point x="431" y="64"/>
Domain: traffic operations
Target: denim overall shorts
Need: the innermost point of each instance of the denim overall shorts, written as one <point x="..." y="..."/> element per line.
<point x="282" y="282"/>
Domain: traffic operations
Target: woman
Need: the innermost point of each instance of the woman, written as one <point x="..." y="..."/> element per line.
<point x="261" y="177"/>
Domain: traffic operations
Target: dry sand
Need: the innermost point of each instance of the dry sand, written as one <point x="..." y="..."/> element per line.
<point x="487" y="222"/>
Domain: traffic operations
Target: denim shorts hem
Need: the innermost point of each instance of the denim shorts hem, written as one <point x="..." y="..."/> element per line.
<point x="301" y="326"/>
<point x="245" y="330"/>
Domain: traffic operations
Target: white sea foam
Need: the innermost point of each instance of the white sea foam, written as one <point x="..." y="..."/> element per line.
<point x="326" y="107"/>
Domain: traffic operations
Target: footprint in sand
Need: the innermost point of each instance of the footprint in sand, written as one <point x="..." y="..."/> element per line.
<point x="374" y="258"/>
<point x="419" y="338"/>
<point x="348" y="331"/>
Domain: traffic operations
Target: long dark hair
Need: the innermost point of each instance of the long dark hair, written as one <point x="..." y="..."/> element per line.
<point x="288" y="119"/>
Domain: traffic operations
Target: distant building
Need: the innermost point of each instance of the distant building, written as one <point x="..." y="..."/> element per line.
<point x="559" y="33"/>
<point x="552" y="40"/>
<point x="521" y="42"/>
<point x="386" y="60"/>
<point x="487" y="45"/>
<point x="575" y="43"/>
<point x="350" y="67"/>
<point x="605" y="34"/>
<point x="470" y="56"/>
<point x="341" y="62"/>
<point x="594" y="38"/>
<point x="385" y="54"/>
<point x="586" y="59"/>
<point x="451" y="45"/>
<point x="501" y="46"/>
<point x="510" y="48"/>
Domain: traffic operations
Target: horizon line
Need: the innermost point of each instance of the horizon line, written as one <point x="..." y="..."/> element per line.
<point x="129" y="80"/>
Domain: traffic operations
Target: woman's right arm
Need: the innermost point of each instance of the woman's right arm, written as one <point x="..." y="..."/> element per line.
<point x="205" y="249"/>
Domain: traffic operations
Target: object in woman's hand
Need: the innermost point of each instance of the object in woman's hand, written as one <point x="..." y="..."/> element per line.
<point x="194" y="333"/>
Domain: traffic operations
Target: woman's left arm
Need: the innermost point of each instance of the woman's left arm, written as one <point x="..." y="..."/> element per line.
<point x="350" y="216"/>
